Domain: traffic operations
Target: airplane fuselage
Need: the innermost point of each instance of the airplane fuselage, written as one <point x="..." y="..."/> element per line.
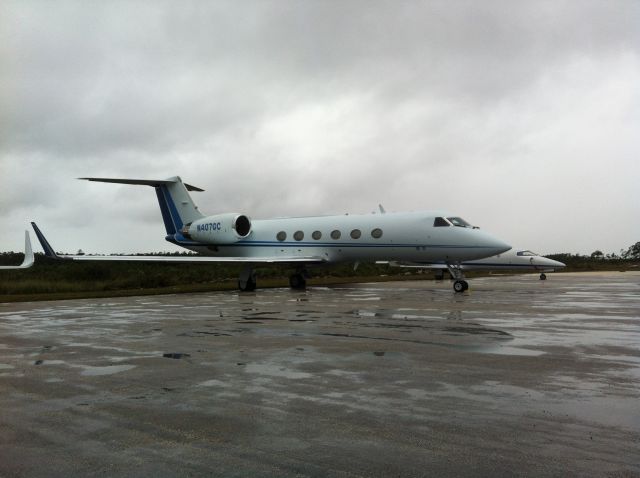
<point x="304" y="241"/>
<point x="408" y="236"/>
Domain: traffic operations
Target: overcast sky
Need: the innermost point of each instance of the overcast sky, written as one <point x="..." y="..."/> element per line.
<point x="521" y="117"/>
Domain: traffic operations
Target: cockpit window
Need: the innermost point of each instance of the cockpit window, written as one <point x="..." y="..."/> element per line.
<point x="526" y="253"/>
<point x="458" y="221"/>
<point x="440" y="222"/>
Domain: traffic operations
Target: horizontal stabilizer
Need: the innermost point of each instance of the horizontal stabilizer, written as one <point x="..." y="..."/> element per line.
<point x="143" y="182"/>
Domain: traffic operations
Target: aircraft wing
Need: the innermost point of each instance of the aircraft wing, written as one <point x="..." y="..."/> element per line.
<point x="29" y="259"/>
<point x="417" y="265"/>
<point x="433" y="265"/>
<point x="195" y="258"/>
<point x="49" y="252"/>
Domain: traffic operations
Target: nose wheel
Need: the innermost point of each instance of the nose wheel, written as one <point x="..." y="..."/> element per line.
<point x="460" y="285"/>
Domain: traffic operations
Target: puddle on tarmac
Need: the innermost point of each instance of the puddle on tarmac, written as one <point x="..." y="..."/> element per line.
<point x="175" y="355"/>
<point x="213" y="383"/>
<point x="275" y="370"/>
<point x="506" y="350"/>
<point x="90" y="371"/>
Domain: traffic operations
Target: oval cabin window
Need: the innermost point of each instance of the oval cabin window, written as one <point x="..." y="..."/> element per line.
<point x="376" y="233"/>
<point x="335" y="234"/>
<point x="281" y="236"/>
<point x="316" y="235"/>
<point x="298" y="235"/>
<point x="355" y="234"/>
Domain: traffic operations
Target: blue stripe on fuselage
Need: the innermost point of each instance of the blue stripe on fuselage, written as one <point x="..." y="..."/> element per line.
<point x="323" y="244"/>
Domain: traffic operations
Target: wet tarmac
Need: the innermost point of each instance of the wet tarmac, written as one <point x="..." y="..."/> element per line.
<point x="516" y="377"/>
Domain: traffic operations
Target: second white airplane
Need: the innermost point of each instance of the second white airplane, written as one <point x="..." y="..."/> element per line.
<point x="303" y="241"/>
<point x="515" y="259"/>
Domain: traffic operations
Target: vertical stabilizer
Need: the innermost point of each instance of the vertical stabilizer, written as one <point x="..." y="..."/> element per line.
<point x="177" y="203"/>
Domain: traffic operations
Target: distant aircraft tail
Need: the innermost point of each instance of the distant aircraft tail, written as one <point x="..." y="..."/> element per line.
<point x="46" y="247"/>
<point x="176" y="205"/>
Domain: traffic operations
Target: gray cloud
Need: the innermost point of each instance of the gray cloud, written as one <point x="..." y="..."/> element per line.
<point x="521" y="116"/>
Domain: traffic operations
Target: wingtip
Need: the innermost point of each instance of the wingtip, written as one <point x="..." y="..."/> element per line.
<point x="29" y="257"/>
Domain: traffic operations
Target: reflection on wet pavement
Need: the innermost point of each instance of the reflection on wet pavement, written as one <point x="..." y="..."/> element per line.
<point x="512" y="352"/>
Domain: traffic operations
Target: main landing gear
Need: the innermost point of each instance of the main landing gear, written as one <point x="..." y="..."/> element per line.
<point x="247" y="280"/>
<point x="297" y="281"/>
<point x="459" y="284"/>
<point x="543" y="276"/>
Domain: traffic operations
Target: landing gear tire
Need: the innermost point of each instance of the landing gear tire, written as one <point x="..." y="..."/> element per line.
<point x="460" y="285"/>
<point x="247" y="279"/>
<point x="297" y="282"/>
<point x="543" y="276"/>
<point x="248" y="286"/>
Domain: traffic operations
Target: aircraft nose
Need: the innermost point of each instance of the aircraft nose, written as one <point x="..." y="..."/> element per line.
<point x="484" y="244"/>
<point x="557" y="264"/>
<point x="494" y="245"/>
<point x="500" y="246"/>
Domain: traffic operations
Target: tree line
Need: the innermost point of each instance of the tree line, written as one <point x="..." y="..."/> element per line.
<point x="50" y="276"/>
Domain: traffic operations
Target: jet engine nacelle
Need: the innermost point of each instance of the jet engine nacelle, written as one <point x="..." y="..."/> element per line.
<point x="219" y="229"/>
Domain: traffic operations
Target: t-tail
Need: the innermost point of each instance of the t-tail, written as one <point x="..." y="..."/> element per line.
<point x="177" y="208"/>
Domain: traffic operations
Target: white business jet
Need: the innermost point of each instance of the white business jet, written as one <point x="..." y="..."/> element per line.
<point x="300" y="242"/>
<point x="29" y="259"/>
<point x="515" y="259"/>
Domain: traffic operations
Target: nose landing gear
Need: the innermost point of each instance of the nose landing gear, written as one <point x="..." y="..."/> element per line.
<point x="459" y="284"/>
